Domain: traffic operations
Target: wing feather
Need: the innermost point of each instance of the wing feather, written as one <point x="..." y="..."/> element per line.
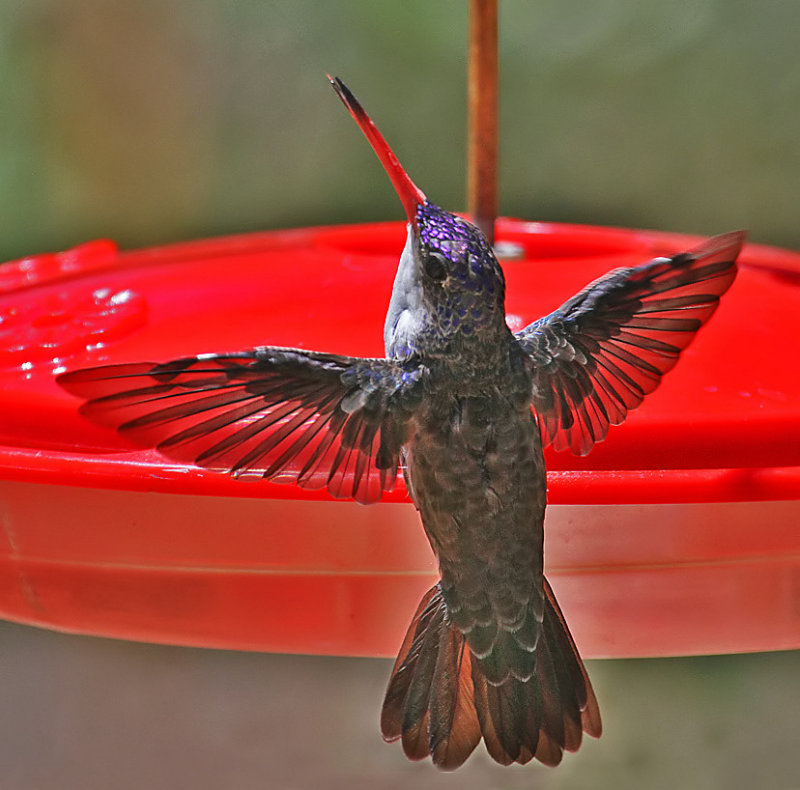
<point x="318" y="420"/>
<point x="597" y="356"/>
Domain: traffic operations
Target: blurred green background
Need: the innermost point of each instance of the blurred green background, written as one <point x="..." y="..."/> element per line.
<point x="162" y="120"/>
<point x="153" y="122"/>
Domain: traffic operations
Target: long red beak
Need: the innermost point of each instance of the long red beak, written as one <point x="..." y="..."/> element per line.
<point x="410" y="195"/>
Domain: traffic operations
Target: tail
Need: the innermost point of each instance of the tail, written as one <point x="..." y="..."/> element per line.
<point x="440" y="703"/>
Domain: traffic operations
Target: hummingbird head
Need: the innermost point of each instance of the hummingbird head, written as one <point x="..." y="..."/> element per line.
<point x="449" y="289"/>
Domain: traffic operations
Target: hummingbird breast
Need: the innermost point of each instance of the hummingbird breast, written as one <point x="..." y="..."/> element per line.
<point x="475" y="469"/>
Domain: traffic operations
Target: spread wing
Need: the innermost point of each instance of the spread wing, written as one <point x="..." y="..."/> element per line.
<point x="317" y="420"/>
<point x="597" y="356"/>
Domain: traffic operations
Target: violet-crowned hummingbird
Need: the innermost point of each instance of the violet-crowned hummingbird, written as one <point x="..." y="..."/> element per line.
<point x="464" y="407"/>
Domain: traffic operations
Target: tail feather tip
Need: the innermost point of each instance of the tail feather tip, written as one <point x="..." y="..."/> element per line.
<point x="439" y="702"/>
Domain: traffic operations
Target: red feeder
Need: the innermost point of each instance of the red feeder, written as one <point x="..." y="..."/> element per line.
<point x="678" y="534"/>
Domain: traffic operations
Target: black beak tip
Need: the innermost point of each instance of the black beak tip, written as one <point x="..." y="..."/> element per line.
<point x="344" y="93"/>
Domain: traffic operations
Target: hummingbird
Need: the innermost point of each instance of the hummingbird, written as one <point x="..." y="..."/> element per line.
<point x="463" y="407"/>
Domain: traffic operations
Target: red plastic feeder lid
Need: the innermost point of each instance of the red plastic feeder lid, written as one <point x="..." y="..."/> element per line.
<point x="665" y="539"/>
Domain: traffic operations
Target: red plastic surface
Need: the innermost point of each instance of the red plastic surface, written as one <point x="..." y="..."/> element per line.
<point x="678" y="534"/>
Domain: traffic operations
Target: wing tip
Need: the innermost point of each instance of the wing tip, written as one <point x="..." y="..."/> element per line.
<point x="728" y="244"/>
<point x="88" y="382"/>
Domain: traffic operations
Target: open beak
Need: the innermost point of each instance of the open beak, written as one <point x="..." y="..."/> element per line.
<point x="410" y="195"/>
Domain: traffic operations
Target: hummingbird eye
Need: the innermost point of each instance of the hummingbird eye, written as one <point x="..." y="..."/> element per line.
<point x="435" y="267"/>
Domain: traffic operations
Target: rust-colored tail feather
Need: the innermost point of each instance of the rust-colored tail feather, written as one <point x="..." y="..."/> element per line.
<point x="440" y="703"/>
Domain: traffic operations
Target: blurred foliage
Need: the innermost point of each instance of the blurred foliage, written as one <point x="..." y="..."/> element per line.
<point x="156" y="121"/>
